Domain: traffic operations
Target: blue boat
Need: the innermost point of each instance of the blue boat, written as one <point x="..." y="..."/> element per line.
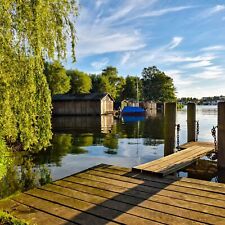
<point x="131" y="119"/>
<point x="133" y="111"/>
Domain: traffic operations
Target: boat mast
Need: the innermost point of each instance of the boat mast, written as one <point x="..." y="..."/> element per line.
<point x="137" y="92"/>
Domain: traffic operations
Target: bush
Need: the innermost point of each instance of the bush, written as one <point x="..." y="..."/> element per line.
<point x="7" y="219"/>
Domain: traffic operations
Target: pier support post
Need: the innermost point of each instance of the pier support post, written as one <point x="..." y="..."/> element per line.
<point x="221" y="135"/>
<point x="169" y="128"/>
<point x="191" y="122"/>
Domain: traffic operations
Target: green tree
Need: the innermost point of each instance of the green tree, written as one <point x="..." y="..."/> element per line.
<point x="108" y="82"/>
<point x="95" y="80"/>
<point x="112" y="82"/>
<point x="80" y="82"/>
<point x="58" y="81"/>
<point x="110" y="72"/>
<point x="157" y="86"/>
<point x="130" y="88"/>
<point x="31" y="32"/>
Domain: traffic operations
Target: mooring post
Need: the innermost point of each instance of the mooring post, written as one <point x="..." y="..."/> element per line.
<point x="191" y="122"/>
<point x="169" y="128"/>
<point x="221" y="135"/>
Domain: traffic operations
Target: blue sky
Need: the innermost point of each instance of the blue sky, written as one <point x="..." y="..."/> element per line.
<point x="183" y="38"/>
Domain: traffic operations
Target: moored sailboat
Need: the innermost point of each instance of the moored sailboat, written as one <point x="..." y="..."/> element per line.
<point x="133" y="110"/>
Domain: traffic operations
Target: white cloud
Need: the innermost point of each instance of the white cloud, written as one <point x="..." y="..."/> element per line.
<point x="199" y="64"/>
<point x="99" y="3"/>
<point x="175" y="42"/>
<point x="213" y="72"/>
<point x="214" y="48"/>
<point x="130" y="9"/>
<point x="98" y="65"/>
<point x="179" y="58"/>
<point x="98" y="35"/>
<point x="162" y="12"/>
<point x="217" y="8"/>
<point x="212" y="11"/>
<point x="106" y="43"/>
<point x="126" y="56"/>
<point x="180" y="81"/>
<point x="166" y="56"/>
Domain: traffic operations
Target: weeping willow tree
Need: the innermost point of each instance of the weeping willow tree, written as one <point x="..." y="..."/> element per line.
<point x="31" y="32"/>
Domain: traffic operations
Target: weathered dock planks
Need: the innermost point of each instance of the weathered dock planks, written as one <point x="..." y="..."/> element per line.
<point x="114" y="195"/>
<point x="177" y="160"/>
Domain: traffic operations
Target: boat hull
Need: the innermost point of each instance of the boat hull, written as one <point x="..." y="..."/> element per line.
<point x="133" y="111"/>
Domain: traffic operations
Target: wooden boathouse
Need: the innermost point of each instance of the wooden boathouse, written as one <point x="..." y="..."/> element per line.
<point x="83" y="124"/>
<point x="85" y="104"/>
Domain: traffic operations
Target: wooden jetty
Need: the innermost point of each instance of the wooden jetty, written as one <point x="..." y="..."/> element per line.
<point x="111" y="195"/>
<point x="114" y="195"/>
<point x="172" y="163"/>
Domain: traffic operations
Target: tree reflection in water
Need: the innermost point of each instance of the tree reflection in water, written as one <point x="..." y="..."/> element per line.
<point x="22" y="171"/>
<point x="22" y="174"/>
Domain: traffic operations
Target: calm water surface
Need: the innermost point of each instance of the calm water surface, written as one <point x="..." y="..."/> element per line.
<point x="82" y="142"/>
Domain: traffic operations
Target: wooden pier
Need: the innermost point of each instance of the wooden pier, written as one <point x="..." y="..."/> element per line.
<point x="113" y="195"/>
<point x="172" y="163"/>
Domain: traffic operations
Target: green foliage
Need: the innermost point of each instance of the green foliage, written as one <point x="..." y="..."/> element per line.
<point x="157" y="86"/>
<point x="80" y="82"/>
<point x="84" y="140"/>
<point x="30" y="32"/>
<point x="26" y="177"/>
<point x="62" y="144"/>
<point x="45" y="175"/>
<point x="96" y="83"/>
<point x="108" y="82"/>
<point x="58" y="81"/>
<point x="111" y="141"/>
<point x="110" y="72"/>
<point x="130" y="88"/>
<point x="7" y="219"/>
<point x="105" y="86"/>
<point x="180" y="105"/>
<point x="5" y="158"/>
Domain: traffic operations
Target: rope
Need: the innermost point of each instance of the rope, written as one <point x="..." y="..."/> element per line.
<point x="213" y="131"/>
<point x="178" y="137"/>
<point x="197" y="130"/>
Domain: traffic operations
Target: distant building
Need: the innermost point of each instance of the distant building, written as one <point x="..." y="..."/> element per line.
<point x="129" y="102"/>
<point x="85" y="104"/>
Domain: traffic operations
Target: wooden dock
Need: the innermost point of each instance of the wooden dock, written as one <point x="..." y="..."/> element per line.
<point x="113" y="195"/>
<point x="172" y="163"/>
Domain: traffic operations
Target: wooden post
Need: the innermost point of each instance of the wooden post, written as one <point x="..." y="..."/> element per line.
<point x="169" y="128"/>
<point x="221" y="135"/>
<point x="221" y="175"/>
<point x="191" y="122"/>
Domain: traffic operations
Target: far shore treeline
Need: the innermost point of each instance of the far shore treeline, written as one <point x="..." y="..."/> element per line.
<point x="152" y="84"/>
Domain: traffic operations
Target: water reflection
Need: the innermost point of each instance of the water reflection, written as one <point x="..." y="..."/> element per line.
<point x="125" y="142"/>
<point x="83" y="124"/>
<point x="81" y="142"/>
<point x="22" y="175"/>
<point x="202" y="169"/>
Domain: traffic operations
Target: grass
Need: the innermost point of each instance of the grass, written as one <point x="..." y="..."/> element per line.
<point x="7" y="219"/>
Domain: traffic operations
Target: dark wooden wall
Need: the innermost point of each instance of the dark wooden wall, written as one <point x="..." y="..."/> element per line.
<point x="102" y="107"/>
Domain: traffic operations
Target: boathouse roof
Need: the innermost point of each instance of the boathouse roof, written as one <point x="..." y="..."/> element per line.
<point x="80" y="97"/>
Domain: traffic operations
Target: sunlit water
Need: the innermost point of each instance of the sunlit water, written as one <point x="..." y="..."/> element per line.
<point x="83" y="142"/>
<point x="128" y="143"/>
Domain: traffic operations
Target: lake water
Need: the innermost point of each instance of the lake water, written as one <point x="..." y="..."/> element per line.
<point x="83" y="142"/>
